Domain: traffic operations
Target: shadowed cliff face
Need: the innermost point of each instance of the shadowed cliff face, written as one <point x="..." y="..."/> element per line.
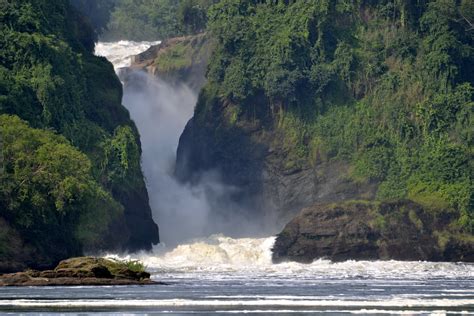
<point x="250" y="156"/>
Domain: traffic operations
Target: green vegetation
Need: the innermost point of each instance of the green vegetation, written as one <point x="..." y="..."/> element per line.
<point x="117" y="268"/>
<point x="176" y="57"/>
<point x="156" y="19"/>
<point x="184" y="53"/>
<point x="47" y="186"/>
<point x="386" y="86"/>
<point x="134" y="265"/>
<point x="143" y="20"/>
<point x="70" y="153"/>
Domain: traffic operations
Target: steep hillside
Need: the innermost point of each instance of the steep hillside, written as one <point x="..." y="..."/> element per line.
<point x="81" y="190"/>
<point x="324" y="101"/>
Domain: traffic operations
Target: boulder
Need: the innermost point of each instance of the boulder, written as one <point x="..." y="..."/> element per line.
<point x="360" y="230"/>
<point x="81" y="271"/>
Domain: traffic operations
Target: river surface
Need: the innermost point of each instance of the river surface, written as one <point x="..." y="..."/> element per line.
<point x="220" y="275"/>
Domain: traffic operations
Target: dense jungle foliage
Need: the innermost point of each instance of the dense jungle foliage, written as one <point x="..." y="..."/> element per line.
<point x="145" y="20"/>
<point x="384" y="85"/>
<point x="70" y="153"/>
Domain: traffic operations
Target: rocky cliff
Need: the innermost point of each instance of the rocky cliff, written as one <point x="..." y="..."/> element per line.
<point x="251" y="156"/>
<point x="318" y="103"/>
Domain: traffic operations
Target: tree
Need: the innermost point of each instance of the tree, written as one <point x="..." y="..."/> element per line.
<point x="97" y="12"/>
<point x="47" y="187"/>
<point x="192" y="17"/>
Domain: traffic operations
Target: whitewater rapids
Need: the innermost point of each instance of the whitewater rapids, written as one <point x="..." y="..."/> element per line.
<point x="251" y="257"/>
<point x="120" y="53"/>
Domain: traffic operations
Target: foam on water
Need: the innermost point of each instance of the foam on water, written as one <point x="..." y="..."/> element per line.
<point x="261" y="302"/>
<point x="219" y="253"/>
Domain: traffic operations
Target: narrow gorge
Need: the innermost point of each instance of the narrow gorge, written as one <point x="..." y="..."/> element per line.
<point x="298" y="157"/>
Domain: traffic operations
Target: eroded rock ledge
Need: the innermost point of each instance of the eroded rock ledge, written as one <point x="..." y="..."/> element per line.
<point x="179" y="60"/>
<point x="81" y="271"/>
<point x="361" y="230"/>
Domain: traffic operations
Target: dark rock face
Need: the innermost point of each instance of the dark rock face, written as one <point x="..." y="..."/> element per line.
<point x="79" y="271"/>
<point x="143" y="230"/>
<point x="249" y="157"/>
<point x="12" y="258"/>
<point x="238" y="158"/>
<point x="371" y="231"/>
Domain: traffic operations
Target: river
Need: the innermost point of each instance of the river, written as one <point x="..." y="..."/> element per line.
<point x="220" y="275"/>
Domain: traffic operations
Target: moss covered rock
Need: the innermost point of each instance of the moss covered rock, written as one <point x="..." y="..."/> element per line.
<point x="82" y="271"/>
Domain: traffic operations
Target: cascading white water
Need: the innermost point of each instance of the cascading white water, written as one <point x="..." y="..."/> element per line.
<point x="161" y="111"/>
<point x="120" y="53"/>
<point x="251" y="257"/>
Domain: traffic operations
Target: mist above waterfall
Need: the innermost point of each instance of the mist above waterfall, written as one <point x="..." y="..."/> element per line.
<point x="161" y="111"/>
<point x="183" y="211"/>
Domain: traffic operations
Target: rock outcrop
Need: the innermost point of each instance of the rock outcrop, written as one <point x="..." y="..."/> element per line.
<point x="361" y="230"/>
<point x="81" y="271"/>
<point x="179" y="60"/>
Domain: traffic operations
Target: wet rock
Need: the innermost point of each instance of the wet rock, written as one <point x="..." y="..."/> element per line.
<point x="359" y="230"/>
<point x="80" y="271"/>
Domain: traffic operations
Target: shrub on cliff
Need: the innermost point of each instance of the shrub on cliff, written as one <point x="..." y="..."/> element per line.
<point x="48" y="193"/>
